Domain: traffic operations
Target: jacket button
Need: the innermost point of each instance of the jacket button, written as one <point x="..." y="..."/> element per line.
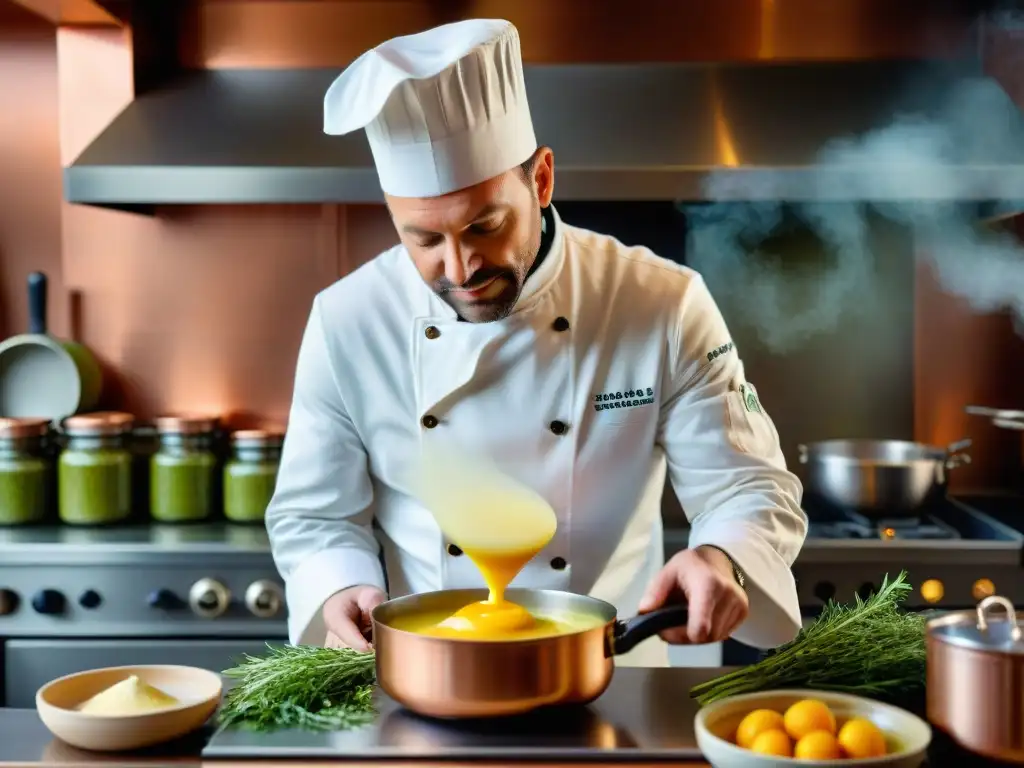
<point x="560" y="324"/>
<point x="558" y="427"/>
<point x="558" y="563"/>
<point x="454" y="551"/>
<point x="429" y="421"/>
<point x="431" y="332"/>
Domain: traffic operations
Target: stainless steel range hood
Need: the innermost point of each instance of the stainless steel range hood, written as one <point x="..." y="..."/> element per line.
<point x="620" y="132"/>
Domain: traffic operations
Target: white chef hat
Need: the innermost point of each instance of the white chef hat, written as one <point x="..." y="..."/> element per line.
<point x="443" y="109"/>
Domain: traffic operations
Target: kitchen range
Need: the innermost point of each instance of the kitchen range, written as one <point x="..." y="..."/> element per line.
<point x="75" y="599"/>
<point x="203" y="595"/>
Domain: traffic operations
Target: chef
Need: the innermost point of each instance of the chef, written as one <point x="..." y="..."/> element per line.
<point x="584" y="367"/>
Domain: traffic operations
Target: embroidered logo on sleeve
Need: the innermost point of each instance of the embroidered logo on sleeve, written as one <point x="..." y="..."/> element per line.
<point x="719" y="351"/>
<point x="630" y="398"/>
<point x="750" y="401"/>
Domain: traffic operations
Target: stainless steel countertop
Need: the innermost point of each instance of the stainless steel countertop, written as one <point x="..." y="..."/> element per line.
<point x="206" y="537"/>
<point x="39" y="543"/>
<point x="24" y="740"/>
<point x="32" y="545"/>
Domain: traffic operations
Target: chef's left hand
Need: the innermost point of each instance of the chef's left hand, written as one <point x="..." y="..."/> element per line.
<point x="717" y="603"/>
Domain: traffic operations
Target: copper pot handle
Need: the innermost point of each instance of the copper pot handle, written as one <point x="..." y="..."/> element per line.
<point x="627" y="635"/>
<point x="1007" y="606"/>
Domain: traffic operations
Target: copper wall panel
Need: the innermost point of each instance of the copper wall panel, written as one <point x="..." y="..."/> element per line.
<point x="30" y="176"/>
<point x="200" y="308"/>
<point x="83" y="12"/>
<point x="203" y="307"/>
<point x="196" y="308"/>
<point x="95" y="83"/>
<point x="962" y="357"/>
<point x="307" y="33"/>
<point x="368" y="231"/>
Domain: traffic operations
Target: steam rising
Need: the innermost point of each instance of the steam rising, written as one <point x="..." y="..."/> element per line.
<point x="972" y="124"/>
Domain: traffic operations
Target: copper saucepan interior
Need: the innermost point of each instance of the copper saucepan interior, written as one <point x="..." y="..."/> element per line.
<point x="455" y="677"/>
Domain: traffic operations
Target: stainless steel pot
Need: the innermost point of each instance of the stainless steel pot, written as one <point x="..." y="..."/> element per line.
<point x="879" y="478"/>
<point x="452" y="677"/>
<point x="975" y="680"/>
<point x="1001" y="417"/>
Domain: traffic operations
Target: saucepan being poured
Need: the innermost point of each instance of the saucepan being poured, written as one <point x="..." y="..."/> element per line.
<point x="499" y="523"/>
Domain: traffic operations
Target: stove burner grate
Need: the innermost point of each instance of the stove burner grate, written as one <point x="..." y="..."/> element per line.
<point x="938" y="523"/>
<point x="884" y="530"/>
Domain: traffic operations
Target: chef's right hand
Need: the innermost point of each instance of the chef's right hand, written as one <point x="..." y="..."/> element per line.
<point x="347" y="616"/>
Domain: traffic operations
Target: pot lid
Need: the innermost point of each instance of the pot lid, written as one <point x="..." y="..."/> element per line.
<point x="980" y="630"/>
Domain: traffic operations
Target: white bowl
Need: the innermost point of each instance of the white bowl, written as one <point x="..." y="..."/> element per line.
<point x="198" y="692"/>
<point x="907" y="736"/>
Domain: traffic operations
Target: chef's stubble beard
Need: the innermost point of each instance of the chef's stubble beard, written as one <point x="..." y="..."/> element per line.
<point x="501" y="307"/>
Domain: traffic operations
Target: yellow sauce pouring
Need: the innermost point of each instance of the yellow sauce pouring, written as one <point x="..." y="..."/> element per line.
<point x="498" y="523"/>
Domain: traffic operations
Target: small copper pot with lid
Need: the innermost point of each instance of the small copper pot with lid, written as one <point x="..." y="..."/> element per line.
<point x="975" y="679"/>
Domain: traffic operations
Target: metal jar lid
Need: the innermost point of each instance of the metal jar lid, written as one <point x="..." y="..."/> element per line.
<point x="15" y="428"/>
<point x="977" y="630"/>
<point x="258" y="438"/>
<point x="186" y="424"/>
<point x="98" y="423"/>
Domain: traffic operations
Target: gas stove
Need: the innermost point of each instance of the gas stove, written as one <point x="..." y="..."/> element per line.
<point x="956" y="552"/>
<point x="948" y="520"/>
<point x="80" y="598"/>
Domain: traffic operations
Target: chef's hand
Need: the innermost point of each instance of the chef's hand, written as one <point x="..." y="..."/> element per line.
<point x="705" y="577"/>
<point x="347" y="616"/>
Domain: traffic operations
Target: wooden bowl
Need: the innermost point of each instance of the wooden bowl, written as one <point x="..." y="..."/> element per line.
<point x="907" y="736"/>
<point x="198" y="692"/>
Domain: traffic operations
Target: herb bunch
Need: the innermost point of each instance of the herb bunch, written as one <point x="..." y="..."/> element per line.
<point x="301" y="687"/>
<point x="870" y="648"/>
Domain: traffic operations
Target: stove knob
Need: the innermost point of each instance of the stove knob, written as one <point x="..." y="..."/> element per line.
<point x="164" y="600"/>
<point x="824" y="591"/>
<point x="8" y="602"/>
<point x="90" y="599"/>
<point x="209" y="598"/>
<point x="866" y="590"/>
<point x="264" y="599"/>
<point x="48" y="601"/>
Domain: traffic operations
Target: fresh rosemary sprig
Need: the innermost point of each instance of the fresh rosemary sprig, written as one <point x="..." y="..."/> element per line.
<point x="870" y="648"/>
<point x="301" y="687"/>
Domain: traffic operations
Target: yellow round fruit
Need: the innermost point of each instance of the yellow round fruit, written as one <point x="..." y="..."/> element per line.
<point x="756" y="723"/>
<point x="807" y="716"/>
<point x="817" y="745"/>
<point x="860" y="738"/>
<point x="775" y="743"/>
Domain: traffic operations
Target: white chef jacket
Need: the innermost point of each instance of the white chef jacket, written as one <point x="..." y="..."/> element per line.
<point x="614" y="367"/>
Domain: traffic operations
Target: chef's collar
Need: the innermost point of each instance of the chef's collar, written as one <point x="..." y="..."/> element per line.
<point x="545" y="266"/>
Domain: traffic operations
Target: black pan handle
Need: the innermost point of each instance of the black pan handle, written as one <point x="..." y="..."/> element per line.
<point x="627" y="635"/>
<point x="37" y="303"/>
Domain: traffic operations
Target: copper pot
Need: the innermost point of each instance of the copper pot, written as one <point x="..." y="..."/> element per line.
<point x="452" y="677"/>
<point x="975" y="680"/>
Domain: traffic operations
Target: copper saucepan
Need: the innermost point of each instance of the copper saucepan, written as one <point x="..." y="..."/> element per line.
<point x="975" y="680"/>
<point x="452" y="677"/>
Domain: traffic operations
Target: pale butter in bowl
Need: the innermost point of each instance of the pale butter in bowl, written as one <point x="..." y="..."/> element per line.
<point x="116" y="709"/>
<point x="906" y="736"/>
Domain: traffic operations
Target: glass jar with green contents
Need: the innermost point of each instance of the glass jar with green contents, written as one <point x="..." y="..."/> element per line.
<point x="94" y="472"/>
<point x="251" y="474"/>
<point x="26" y="472"/>
<point x="143" y="443"/>
<point x="182" y="471"/>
